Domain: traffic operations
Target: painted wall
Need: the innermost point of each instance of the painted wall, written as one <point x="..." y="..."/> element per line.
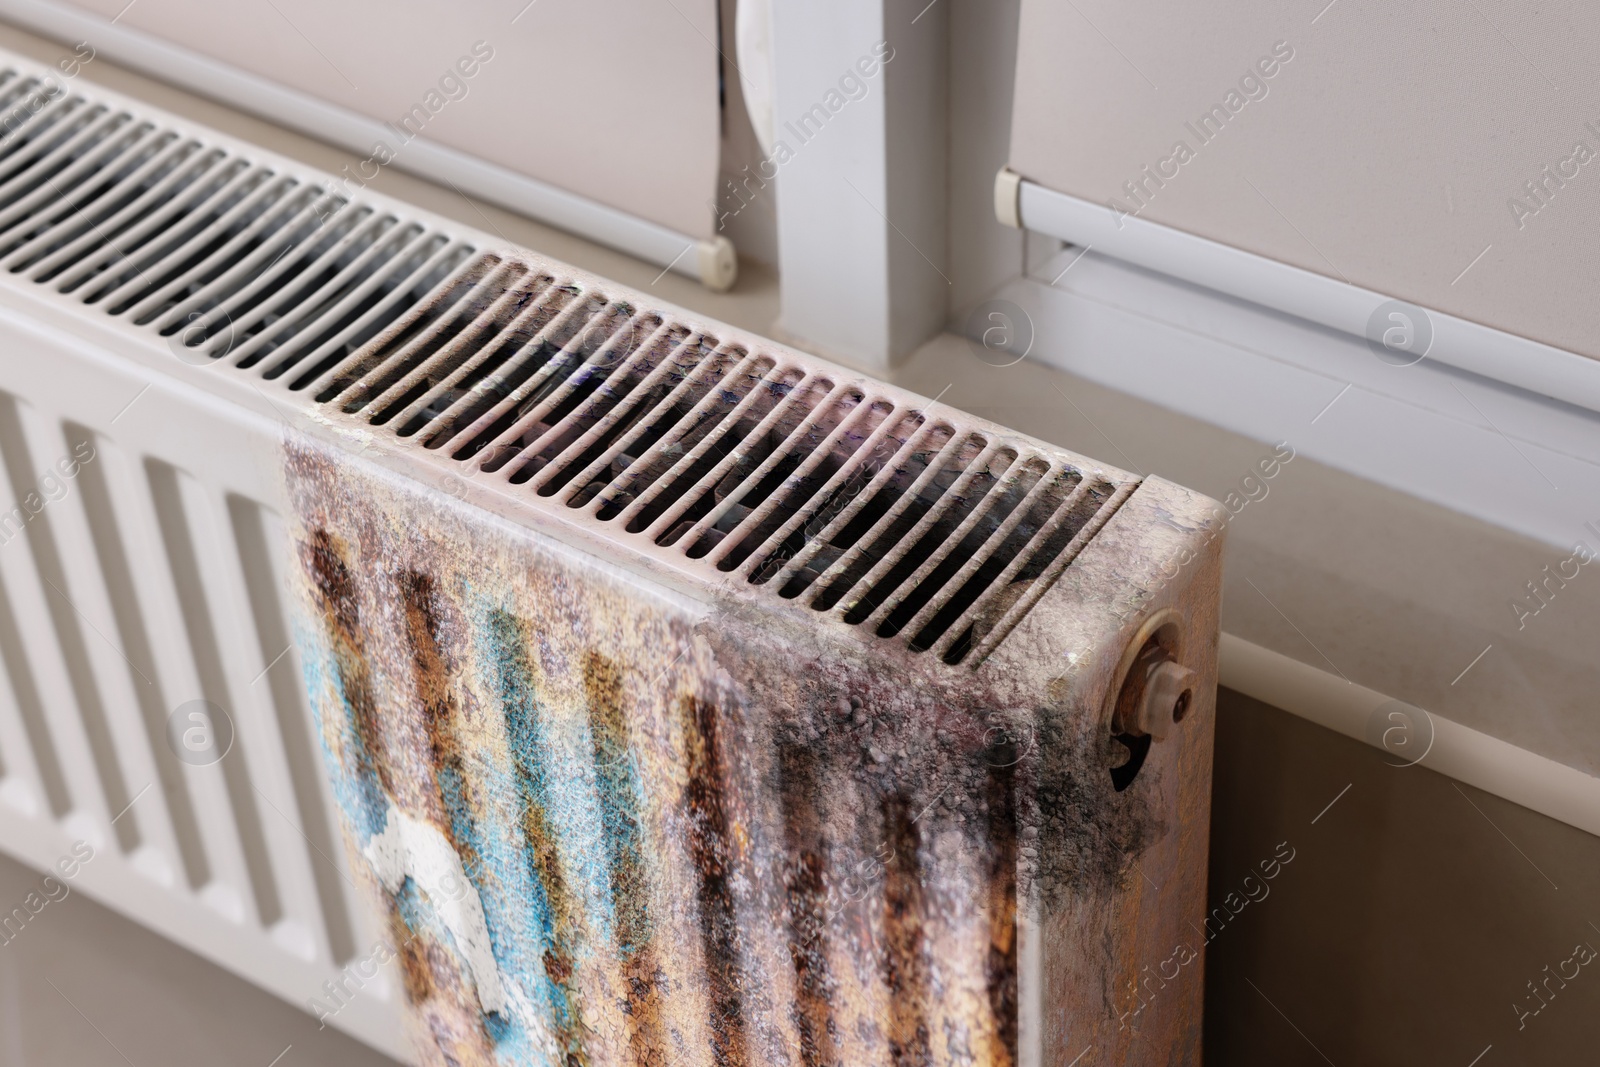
<point x="1410" y="922"/>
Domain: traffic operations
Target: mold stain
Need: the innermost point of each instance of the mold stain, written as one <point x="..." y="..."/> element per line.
<point x="1002" y="908"/>
<point x="430" y="676"/>
<point x="429" y="972"/>
<point x="711" y="847"/>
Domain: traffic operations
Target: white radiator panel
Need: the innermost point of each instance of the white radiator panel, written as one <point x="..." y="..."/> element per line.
<point x="151" y="581"/>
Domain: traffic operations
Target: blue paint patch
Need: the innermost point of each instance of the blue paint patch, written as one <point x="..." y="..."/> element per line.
<point x="554" y="765"/>
<point x="352" y="772"/>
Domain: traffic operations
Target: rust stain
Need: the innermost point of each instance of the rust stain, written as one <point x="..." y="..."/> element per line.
<point x="622" y="819"/>
<point x="905" y="966"/>
<point x="711" y="845"/>
<point x="341" y="620"/>
<point x="806" y="885"/>
<point x="429" y="668"/>
<point x="415" y="976"/>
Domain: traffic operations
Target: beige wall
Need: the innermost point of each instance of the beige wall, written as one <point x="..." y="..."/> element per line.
<point x="614" y="99"/>
<point x="1385" y="148"/>
<point x="1408" y="923"/>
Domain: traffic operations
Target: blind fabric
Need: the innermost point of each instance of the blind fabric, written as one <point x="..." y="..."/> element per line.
<point x="616" y="100"/>
<point x="1446" y="154"/>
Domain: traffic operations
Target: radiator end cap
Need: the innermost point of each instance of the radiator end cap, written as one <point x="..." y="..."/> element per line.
<point x="1008" y="198"/>
<point x="719" y="264"/>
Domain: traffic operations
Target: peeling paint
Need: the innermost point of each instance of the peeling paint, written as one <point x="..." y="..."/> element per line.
<point x="410" y="848"/>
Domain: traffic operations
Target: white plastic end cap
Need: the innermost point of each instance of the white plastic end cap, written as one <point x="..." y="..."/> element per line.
<point x="719" y="264"/>
<point x="1008" y="198"/>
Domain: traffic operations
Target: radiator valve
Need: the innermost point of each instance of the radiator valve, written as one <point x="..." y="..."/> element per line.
<point x="1156" y="695"/>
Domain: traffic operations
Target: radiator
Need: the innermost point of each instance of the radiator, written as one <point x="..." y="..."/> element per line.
<point x="462" y="646"/>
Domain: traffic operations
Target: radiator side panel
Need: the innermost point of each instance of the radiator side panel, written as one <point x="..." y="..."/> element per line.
<point x="1119" y="969"/>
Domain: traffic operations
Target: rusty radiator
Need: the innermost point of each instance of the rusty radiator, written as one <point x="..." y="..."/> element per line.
<point x="775" y="715"/>
<point x="682" y="699"/>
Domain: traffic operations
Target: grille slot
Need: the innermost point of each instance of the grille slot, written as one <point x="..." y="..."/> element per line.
<point x="824" y="490"/>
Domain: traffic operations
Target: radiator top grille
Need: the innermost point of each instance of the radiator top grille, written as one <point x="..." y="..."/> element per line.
<point x="819" y="487"/>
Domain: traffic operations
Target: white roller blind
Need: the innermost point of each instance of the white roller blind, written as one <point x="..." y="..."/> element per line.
<point x="614" y="99"/>
<point x="1447" y="154"/>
